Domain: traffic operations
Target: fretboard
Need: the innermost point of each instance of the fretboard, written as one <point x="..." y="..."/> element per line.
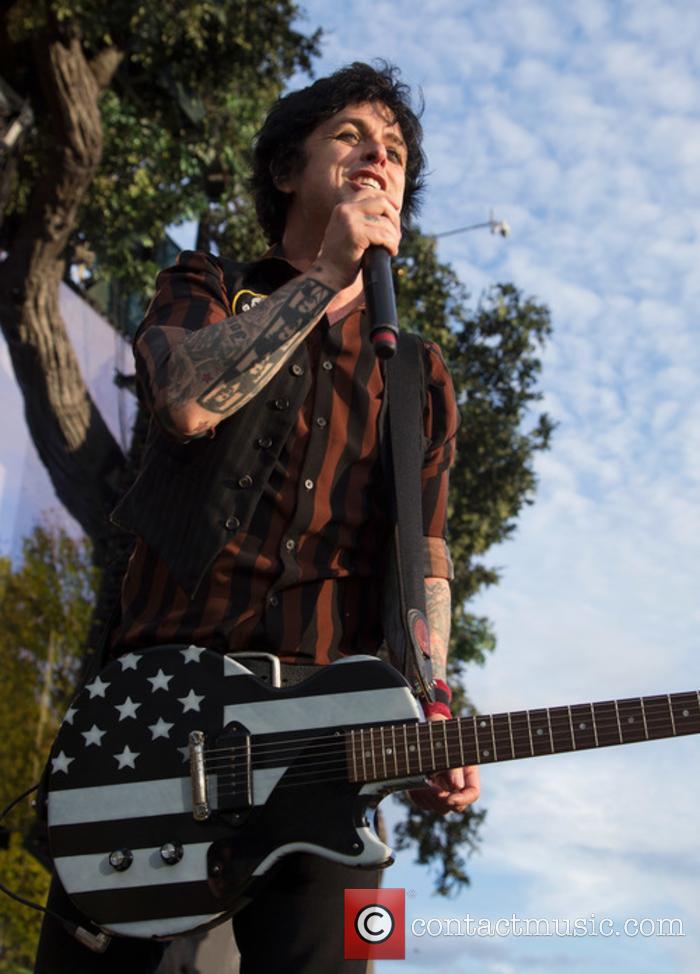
<point x="385" y="751"/>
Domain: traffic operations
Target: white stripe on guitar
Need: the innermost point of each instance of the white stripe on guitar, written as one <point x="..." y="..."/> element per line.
<point x="136" y="799"/>
<point x="80" y="874"/>
<point x="325" y="710"/>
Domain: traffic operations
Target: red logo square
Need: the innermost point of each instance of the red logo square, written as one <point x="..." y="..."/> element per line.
<point x="375" y="924"/>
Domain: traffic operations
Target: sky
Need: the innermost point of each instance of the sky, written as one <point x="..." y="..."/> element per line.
<point x="577" y="123"/>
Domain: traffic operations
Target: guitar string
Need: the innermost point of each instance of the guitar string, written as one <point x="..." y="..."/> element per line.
<point x="297" y="777"/>
<point x="378" y="758"/>
<point x="602" y="725"/>
<point x="305" y="776"/>
<point x="561" y="719"/>
<point x="503" y="752"/>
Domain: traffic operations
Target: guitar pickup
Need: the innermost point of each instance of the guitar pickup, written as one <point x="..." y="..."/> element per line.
<point x="234" y="763"/>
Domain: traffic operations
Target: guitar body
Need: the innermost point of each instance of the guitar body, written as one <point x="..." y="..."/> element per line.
<point x="142" y="854"/>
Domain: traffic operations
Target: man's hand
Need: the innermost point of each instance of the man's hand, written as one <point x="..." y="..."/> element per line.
<point x="448" y="791"/>
<point x="365" y="219"/>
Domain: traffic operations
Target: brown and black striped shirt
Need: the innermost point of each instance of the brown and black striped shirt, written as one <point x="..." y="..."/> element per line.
<point x="303" y="581"/>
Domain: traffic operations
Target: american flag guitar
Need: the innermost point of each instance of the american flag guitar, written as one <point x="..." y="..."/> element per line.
<point x="178" y="779"/>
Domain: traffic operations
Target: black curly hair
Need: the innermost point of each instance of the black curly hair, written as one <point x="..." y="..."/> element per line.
<point x="278" y="150"/>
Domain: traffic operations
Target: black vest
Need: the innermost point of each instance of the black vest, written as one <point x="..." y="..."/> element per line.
<point x="190" y="498"/>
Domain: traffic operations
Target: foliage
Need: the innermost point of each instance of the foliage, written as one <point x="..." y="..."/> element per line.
<point x="19" y="926"/>
<point x="178" y="117"/>
<point x="46" y="604"/>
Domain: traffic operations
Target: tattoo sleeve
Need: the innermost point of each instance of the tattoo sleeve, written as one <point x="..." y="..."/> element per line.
<point x="218" y="369"/>
<point x="438" y="609"/>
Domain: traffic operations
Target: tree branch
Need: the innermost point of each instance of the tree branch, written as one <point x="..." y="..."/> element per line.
<point x="73" y="441"/>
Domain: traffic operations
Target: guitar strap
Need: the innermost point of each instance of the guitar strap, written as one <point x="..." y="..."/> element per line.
<point x="402" y="449"/>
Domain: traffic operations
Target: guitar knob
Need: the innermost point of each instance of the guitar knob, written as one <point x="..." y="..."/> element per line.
<point x="121" y="859"/>
<point x="171" y="853"/>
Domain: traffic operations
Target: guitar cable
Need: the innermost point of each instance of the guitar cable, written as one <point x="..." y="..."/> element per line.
<point x="97" y="942"/>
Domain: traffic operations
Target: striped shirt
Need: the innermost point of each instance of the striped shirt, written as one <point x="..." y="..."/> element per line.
<point x="304" y="580"/>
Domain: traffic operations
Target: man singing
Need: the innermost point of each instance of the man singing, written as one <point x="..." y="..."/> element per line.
<point x="261" y="512"/>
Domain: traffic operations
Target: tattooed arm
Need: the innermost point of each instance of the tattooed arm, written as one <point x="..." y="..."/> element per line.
<point x="438" y="610"/>
<point x="218" y="369"/>
<point x="196" y="376"/>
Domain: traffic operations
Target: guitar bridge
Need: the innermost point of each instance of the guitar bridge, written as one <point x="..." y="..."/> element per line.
<point x="200" y="797"/>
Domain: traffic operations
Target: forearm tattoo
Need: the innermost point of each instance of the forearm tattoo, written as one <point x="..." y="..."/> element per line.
<point x="438" y="609"/>
<point x="223" y="366"/>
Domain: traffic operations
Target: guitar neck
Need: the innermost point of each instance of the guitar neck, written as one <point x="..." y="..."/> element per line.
<point x="399" y="750"/>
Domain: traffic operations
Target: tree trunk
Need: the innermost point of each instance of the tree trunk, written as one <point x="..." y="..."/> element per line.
<point x="80" y="454"/>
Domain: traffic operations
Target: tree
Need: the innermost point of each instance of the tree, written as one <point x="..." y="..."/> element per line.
<point x="46" y="607"/>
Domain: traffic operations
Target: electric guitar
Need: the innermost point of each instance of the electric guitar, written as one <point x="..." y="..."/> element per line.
<point x="178" y="778"/>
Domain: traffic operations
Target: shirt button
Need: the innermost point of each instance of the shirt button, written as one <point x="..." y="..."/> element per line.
<point x="309" y="484"/>
<point x="327" y="365"/>
<point x="273" y="600"/>
<point x="232" y="523"/>
<point x="280" y="404"/>
<point x="321" y="422"/>
<point x="264" y="442"/>
<point x="245" y="481"/>
<point x="290" y="544"/>
<point x="296" y="369"/>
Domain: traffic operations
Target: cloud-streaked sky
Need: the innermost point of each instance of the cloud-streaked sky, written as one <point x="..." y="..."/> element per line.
<point x="578" y="123"/>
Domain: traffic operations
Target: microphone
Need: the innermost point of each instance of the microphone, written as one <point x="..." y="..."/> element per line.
<point x="381" y="302"/>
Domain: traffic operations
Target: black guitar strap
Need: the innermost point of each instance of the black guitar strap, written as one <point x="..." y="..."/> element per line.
<point x="405" y="624"/>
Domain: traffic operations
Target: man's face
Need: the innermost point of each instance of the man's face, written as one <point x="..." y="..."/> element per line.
<point x="359" y="148"/>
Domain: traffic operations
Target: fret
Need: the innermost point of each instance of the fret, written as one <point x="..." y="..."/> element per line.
<point x="362" y="752"/>
<point x="461" y="742"/>
<point x="659" y="716"/>
<point x="354" y="755"/>
<point x="448" y="758"/>
<point x="630" y="714"/>
<point x="417" y="746"/>
<point x="510" y="734"/>
<point x="539" y="731"/>
<point x="607" y="724"/>
<point x="395" y="750"/>
<point x="561" y="729"/>
<point x="549" y="726"/>
<point x="522" y="735"/>
<point x="617" y="718"/>
<point x="584" y="726"/>
<point x="476" y="740"/>
<point x="686" y="712"/>
<point x="375" y="776"/>
<point x="571" y="728"/>
<point x="644" y="718"/>
<point x="382" y="745"/>
<point x="670" y="710"/>
<point x="503" y="744"/>
<point x="407" y="755"/>
<point x="432" y="747"/>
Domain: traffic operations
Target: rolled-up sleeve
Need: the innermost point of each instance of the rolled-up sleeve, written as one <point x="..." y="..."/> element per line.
<point x="441" y="420"/>
<point x="189" y="296"/>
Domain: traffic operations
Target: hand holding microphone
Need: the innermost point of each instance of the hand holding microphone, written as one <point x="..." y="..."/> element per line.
<point x="381" y="302"/>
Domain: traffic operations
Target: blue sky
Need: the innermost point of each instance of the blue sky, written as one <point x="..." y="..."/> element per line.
<point x="578" y="123"/>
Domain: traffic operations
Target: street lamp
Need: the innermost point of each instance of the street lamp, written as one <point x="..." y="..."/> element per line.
<point x="495" y="226"/>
